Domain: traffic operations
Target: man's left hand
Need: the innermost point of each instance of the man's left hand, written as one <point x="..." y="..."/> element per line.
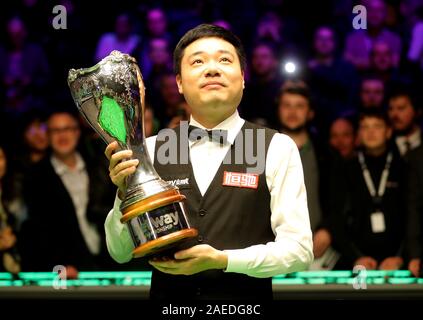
<point x="391" y="263"/>
<point x="7" y="239"/>
<point x="191" y="261"/>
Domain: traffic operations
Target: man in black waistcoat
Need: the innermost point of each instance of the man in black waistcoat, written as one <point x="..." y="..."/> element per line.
<point x="249" y="229"/>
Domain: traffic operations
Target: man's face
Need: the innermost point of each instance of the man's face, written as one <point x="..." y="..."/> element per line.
<point x="401" y="113"/>
<point x="63" y="132"/>
<point x="376" y="13"/>
<point x="324" y="42"/>
<point x="159" y="53"/>
<point x="211" y="78"/>
<point x="156" y="22"/>
<point x="16" y="31"/>
<point x="36" y="136"/>
<point x="373" y="133"/>
<point x="294" y="111"/>
<point x="122" y="26"/>
<point x="382" y="57"/>
<point x="342" y="137"/>
<point x="372" y="92"/>
<point x="263" y="60"/>
<point x="169" y="90"/>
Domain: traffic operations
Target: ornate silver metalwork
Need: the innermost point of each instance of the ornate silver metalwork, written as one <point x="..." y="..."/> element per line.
<point x="110" y="95"/>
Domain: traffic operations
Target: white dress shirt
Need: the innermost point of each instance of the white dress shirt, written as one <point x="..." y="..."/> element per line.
<point x="292" y="249"/>
<point x="411" y="142"/>
<point x="76" y="182"/>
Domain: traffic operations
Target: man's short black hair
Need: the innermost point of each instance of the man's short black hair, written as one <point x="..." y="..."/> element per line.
<point x="268" y="44"/>
<point x="31" y="116"/>
<point x="207" y="31"/>
<point x="371" y="77"/>
<point x="402" y="91"/>
<point x="298" y="87"/>
<point x="378" y="113"/>
<point x="73" y="113"/>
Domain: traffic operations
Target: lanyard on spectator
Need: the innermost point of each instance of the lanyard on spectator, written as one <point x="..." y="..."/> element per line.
<point x="368" y="179"/>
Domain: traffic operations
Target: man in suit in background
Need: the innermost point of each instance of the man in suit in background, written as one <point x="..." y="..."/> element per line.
<point x="404" y="114"/>
<point x="67" y="198"/>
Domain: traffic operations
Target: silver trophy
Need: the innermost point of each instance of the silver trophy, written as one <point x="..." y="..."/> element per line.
<point x="110" y="96"/>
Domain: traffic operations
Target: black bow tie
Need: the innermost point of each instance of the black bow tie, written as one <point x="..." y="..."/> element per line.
<point x="218" y="135"/>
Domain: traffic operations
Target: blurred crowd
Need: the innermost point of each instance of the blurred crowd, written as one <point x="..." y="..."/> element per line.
<point x="350" y="99"/>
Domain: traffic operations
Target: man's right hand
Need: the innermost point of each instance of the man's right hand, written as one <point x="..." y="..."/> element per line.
<point x="368" y="262"/>
<point x="414" y="267"/>
<point x="119" y="165"/>
<point x="321" y="242"/>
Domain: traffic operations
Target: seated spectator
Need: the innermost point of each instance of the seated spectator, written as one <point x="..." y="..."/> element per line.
<point x="367" y="219"/>
<point x="342" y="137"/>
<point x="34" y="138"/>
<point x="156" y="27"/>
<point x="333" y="81"/>
<point x="295" y="116"/>
<point x="404" y="113"/>
<point x="24" y="71"/>
<point x="258" y="104"/>
<point x="9" y="257"/>
<point x="415" y="51"/>
<point x="269" y="28"/>
<point x="359" y="43"/>
<point x="122" y="39"/>
<point x="166" y="104"/>
<point x="382" y="61"/>
<point x="284" y="32"/>
<point x="372" y="93"/>
<point x="156" y="24"/>
<point x="12" y="195"/>
<point x="66" y="198"/>
<point x="383" y="67"/>
<point x="160" y="63"/>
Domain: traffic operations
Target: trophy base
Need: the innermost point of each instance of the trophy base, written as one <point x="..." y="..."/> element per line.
<point x="158" y="223"/>
<point x="163" y="243"/>
<point x="151" y="203"/>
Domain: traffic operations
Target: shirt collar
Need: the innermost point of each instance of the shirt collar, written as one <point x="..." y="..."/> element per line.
<point x="232" y="124"/>
<point x="414" y="139"/>
<point x="60" y="168"/>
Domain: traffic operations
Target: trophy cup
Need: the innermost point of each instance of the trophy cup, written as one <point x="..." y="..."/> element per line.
<point x="110" y="96"/>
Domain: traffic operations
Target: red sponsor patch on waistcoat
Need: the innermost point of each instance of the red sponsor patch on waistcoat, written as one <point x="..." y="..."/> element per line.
<point x="240" y="180"/>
